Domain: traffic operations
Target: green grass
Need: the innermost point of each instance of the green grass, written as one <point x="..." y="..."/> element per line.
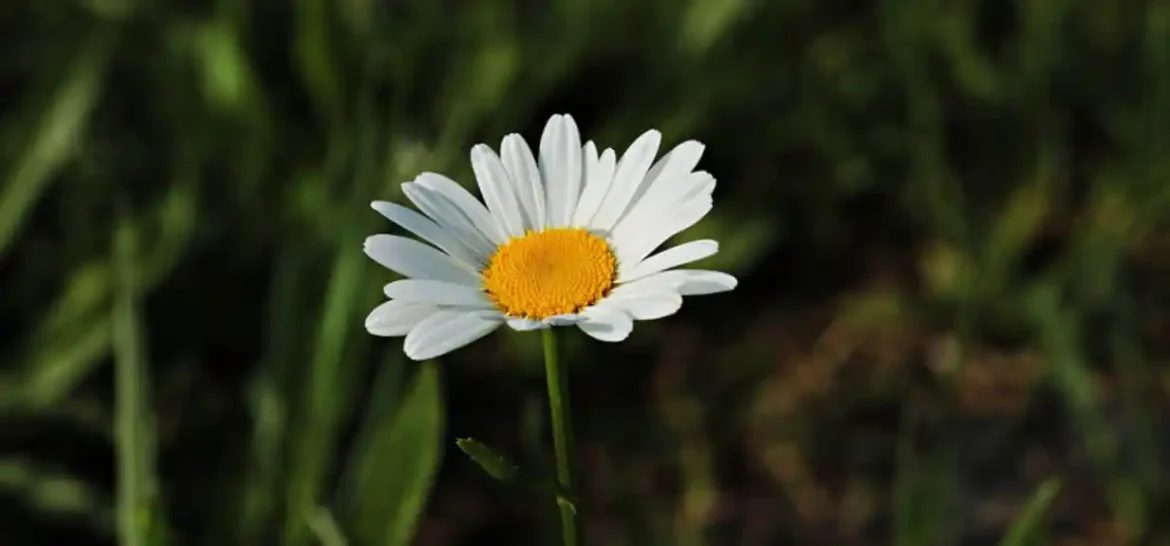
<point x="950" y="232"/>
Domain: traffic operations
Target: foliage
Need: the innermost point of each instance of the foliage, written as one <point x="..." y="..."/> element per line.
<point x="949" y="220"/>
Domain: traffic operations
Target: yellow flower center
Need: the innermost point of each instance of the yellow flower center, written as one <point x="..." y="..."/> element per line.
<point x="552" y="272"/>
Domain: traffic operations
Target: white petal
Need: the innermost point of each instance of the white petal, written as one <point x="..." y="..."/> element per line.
<point x="686" y="189"/>
<point x="701" y="186"/>
<point x="649" y="305"/>
<point x="663" y="179"/>
<point x="589" y="155"/>
<point x="497" y="189"/>
<point x="665" y="202"/>
<point x="698" y="282"/>
<point x="671" y="257"/>
<point x="679" y="161"/>
<point x="428" y="230"/>
<point x="560" y="162"/>
<point x="396" y="318"/>
<point x="688" y="282"/>
<point x="606" y="324"/>
<point x="634" y="248"/>
<point x="630" y="174"/>
<point x="464" y="202"/>
<point x="437" y="293"/>
<point x="650" y="284"/>
<point x="446" y="331"/>
<point x="521" y="166"/>
<point x="563" y="320"/>
<point x="526" y="325"/>
<point x="598" y="178"/>
<point x="450" y="218"/>
<point x="418" y="261"/>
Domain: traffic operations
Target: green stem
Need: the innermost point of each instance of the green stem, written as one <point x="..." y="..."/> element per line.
<point x="562" y="426"/>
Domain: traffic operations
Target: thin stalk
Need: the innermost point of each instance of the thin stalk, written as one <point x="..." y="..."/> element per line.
<point x="130" y="407"/>
<point x="562" y="426"/>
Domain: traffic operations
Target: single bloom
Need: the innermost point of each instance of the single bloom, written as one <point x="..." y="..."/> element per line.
<point x="563" y="237"/>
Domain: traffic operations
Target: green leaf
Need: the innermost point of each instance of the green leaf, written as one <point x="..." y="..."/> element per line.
<point x="52" y="143"/>
<point x="501" y="467"/>
<point x="52" y="492"/>
<point x="272" y="391"/>
<point x="1070" y="373"/>
<point x="136" y="475"/>
<point x="496" y="465"/>
<point x="1019" y="223"/>
<point x="394" y="473"/>
<point x="325" y="527"/>
<point x="1027" y="528"/>
<point x="327" y="397"/>
<point x="923" y="486"/>
<point x="317" y="59"/>
<point x="75" y="335"/>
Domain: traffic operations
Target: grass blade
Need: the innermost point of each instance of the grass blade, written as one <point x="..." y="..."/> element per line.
<point x="1025" y="531"/>
<point x="327" y="394"/>
<point x="49" y="491"/>
<point x="325" y="527"/>
<point x="395" y="471"/>
<point x="271" y="392"/>
<point x="74" y="337"/>
<point x="386" y="395"/>
<point x="53" y="141"/>
<point x="135" y="472"/>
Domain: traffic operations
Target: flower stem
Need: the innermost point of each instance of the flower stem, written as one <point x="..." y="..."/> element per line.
<point x="562" y="426"/>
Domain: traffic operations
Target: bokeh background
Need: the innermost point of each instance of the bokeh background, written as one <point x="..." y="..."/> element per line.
<point x="948" y="220"/>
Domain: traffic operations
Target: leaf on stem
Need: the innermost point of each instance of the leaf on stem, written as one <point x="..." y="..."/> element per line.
<point x="502" y="468"/>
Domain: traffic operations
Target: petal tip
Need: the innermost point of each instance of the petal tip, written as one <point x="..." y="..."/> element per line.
<point x="368" y="242"/>
<point x="377" y="332"/>
<point x="416" y="352"/>
<point x="480" y="149"/>
<point x="414" y="355"/>
<point x="732" y="282"/>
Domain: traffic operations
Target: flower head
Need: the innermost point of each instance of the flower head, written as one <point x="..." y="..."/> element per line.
<point x="561" y="238"/>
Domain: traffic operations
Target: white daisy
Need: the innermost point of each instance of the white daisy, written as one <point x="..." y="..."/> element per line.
<point x="564" y="239"/>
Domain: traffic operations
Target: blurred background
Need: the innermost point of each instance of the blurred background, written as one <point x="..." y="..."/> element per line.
<point x="949" y="222"/>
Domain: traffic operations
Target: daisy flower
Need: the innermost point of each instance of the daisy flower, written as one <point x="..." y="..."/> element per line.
<point x="562" y="238"/>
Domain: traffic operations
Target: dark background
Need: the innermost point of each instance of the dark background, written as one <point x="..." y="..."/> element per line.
<point x="948" y="220"/>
